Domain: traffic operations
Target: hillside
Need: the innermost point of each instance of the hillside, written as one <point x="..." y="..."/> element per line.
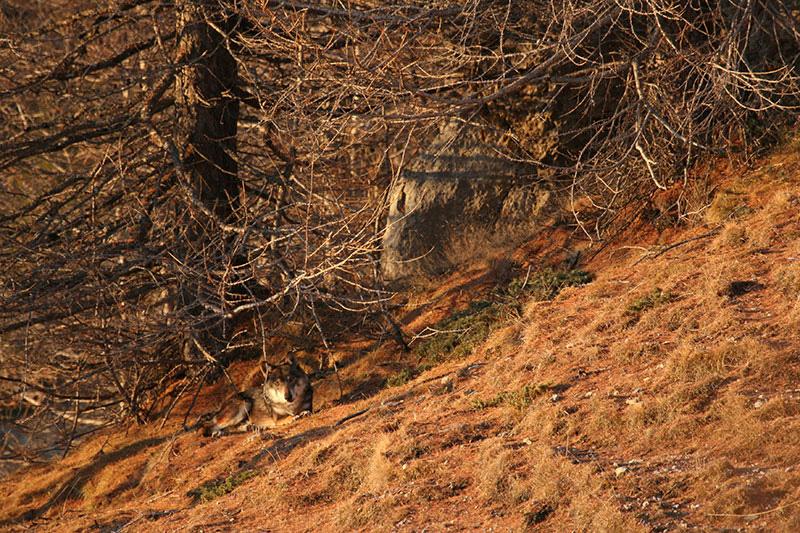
<point x="659" y="392"/>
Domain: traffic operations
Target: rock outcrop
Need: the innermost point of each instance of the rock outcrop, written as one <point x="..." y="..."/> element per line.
<point x="457" y="197"/>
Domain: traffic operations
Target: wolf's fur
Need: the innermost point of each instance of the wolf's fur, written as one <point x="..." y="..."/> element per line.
<point x="285" y="395"/>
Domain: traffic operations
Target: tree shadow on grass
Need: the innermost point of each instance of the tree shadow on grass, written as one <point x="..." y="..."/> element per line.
<point x="71" y="488"/>
<point x="283" y="446"/>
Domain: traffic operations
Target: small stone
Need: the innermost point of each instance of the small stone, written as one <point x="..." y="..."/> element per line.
<point x="620" y="470"/>
<point x="555" y="398"/>
<point x="758" y="404"/>
<point x="589" y="394"/>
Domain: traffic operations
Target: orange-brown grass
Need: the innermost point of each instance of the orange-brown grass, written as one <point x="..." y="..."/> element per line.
<point x="658" y="396"/>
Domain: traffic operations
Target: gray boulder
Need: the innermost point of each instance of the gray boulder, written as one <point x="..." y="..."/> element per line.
<point x="457" y="200"/>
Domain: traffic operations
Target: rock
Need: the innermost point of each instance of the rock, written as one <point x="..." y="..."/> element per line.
<point x="446" y="385"/>
<point x="457" y="199"/>
<point x="740" y="287"/>
<point x="466" y="372"/>
<point x="620" y="470"/>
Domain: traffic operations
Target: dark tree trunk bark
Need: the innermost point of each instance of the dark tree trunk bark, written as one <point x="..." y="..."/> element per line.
<point x="209" y="113"/>
<point x="206" y="140"/>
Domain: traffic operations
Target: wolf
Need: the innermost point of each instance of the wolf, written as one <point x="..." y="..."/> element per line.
<point x="285" y="395"/>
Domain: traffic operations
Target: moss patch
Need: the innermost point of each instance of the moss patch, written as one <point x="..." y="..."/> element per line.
<point x="459" y="334"/>
<point x="400" y="378"/>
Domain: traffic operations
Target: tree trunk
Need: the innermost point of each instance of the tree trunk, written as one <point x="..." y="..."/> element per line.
<point x="206" y="139"/>
<point x="208" y="113"/>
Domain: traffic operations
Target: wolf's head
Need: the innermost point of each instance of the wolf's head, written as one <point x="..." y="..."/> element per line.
<point x="284" y="383"/>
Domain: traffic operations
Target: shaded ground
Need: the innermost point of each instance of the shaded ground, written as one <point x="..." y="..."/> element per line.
<point x="665" y="394"/>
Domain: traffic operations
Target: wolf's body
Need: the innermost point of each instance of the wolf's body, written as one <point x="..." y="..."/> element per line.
<point x="285" y="395"/>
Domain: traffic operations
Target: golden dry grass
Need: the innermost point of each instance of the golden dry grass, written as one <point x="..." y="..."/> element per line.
<point x="653" y="397"/>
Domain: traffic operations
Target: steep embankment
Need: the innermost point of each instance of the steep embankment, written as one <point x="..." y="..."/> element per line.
<point x="664" y="393"/>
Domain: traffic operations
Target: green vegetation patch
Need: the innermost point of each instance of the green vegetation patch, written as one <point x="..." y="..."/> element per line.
<point x="546" y="284"/>
<point x="400" y="378"/>
<point x="215" y="488"/>
<point x="519" y="399"/>
<point x="458" y="335"/>
<point x="787" y="279"/>
<point x="650" y="300"/>
<point x="726" y="205"/>
<point x="461" y="333"/>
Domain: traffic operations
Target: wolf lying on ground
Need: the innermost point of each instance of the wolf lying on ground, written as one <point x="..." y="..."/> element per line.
<point x="285" y="395"/>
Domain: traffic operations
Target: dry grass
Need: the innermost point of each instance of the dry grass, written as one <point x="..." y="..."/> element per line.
<point x="653" y="397"/>
<point x="533" y="479"/>
<point x="693" y="363"/>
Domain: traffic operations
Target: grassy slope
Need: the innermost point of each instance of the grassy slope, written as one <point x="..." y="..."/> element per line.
<point x="653" y="397"/>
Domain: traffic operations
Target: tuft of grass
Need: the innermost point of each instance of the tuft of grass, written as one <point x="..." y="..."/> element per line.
<point x="650" y="300"/>
<point x="210" y="490"/>
<point x="400" y="378"/>
<point x="367" y="511"/>
<point x="459" y="334"/>
<point x="347" y="477"/>
<point x="695" y="363"/>
<point x="496" y="473"/>
<point x="727" y="205"/>
<point x="519" y="399"/>
<point x="546" y="284"/>
<point x="787" y="279"/>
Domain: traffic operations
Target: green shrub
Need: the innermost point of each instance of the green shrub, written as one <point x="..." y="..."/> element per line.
<point x="215" y="488"/>
<point x="459" y="334"/>
<point x="400" y="378"/>
<point x="650" y="300"/>
<point x="519" y="399"/>
<point x="546" y="284"/>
